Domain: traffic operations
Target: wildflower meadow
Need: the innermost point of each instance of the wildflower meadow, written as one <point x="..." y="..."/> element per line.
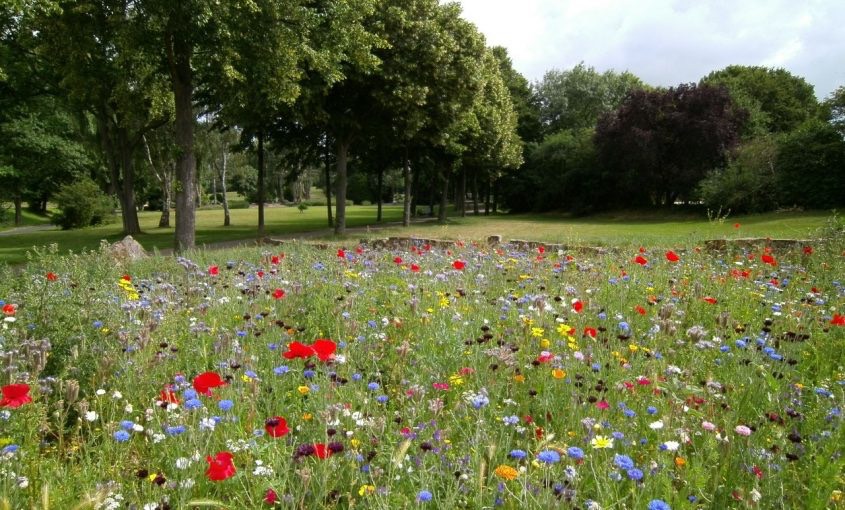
<point x="459" y="376"/>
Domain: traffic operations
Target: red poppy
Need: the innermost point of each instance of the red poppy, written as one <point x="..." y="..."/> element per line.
<point x="359" y="249"/>
<point x="341" y="254"/>
<point x="641" y="260"/>
<point x="207" y="380"/>
<point x="459" y="265"/>
<point x="321" y="451"/>
<point x="213" y="270"/>
<point x="577" y="305"/>
<point x="709" y="299"/>
<point x="51" y="276"/>
<point x="590" y="332"/>
<point x="808" y="250"/>
<point x="768" y="259"/>
<point x="275" y="260"/>
<point x="298" y="350"/>
<point x="602" y="404"/>
<point x="260" y="274"/>
<point x="9" y="309"/>
<point x="642" y="250"/>
<point x="736" y="225"/>
<point x="220" y="467"/>
<point x="541" y="249"/>
<point x="324" y="348"/>
<point x="168" y="396"/>
<point x="397" y="260"/>
<point x="276" y="426"/>
<point x="837" y="320"/>
<point x="415" y="268"/>
<point x="15" y="395"/>
<point x="278" y="294"/>
<point x="672" y="256"/>
<point x="640" y="310"/>
<point x="270" y="497"/>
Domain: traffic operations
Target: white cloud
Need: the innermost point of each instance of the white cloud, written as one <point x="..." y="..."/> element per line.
<point x="667" y="42"/>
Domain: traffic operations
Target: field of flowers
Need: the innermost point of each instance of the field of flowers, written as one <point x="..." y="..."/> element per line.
<point x="464" y="376"/>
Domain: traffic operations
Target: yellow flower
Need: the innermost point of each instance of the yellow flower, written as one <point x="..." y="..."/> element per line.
<point x="303" y="390"/>
<point x="307" y="416"/>
<point x="506" y="472"/>
<point x="602" y="442"/>
<point x="558" y="373"/>
<point x="545" y="343"/>
<point x="355" y="443"/>
<point x="519" y="378"/>
<point x="366" y="490"/>
<point x="836" y="496"/>
<point x="633" y="347"/>
<point x="567" y="331"/>
<point x="456" y="379"/>
<point x="537" y="332"/>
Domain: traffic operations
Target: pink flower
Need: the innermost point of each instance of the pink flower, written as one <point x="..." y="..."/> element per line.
<point x="709" y="427"/>
<point x="742" y="430"/>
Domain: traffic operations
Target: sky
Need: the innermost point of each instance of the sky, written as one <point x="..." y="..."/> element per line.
<point x="668" y="42"/>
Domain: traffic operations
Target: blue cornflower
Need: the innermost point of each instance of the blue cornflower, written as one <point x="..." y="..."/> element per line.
<point x="98" y="324"/>
<point x="658" y="504"/>
<point x="575" y="452"/>
<point x="381" y="399"/>
<point x="480" y="401"/>
<point x="193" y="404"/>
<point x="373" y="386"/>
<point x="511" y="420"/>
<point x="9" y="449"/>
<point x="596" y="367"/>
<point x="740" y="344"/>
<point x="651" y="410"/>
<point x="356" y="377"/>
<point x="126" y="425"/>
<point x="281" y="370"/>
<point x="548" y="456"/>
<point x="424" y="496"/>
<point x="624" y="327"/>
<point x="189" y="394"/>
<point x="517" y="454"/>
<point x="630" y="413"/>
<point x="121" y="436"/>
<point x="635" y="474"/>
<point x="175" y="431"/>
<point x="251" y="374"/>
<point x="308" y="374"/>
<point x="225" y="405"/>
<point x="623" y="462"/>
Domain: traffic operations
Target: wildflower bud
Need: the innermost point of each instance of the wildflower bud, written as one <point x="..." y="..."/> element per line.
<point x="666" y="311"/>
<point x="71" y="391"/>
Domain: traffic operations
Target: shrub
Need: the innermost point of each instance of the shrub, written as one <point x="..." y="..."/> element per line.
<point x="82" y="204"/>
<point x="747" y="184"/>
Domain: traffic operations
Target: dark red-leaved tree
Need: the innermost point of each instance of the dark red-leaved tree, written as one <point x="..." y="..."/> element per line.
<point x="659" y="144"/>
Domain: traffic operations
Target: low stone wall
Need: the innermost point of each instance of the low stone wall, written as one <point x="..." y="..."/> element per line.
<point x="756" y="243"/>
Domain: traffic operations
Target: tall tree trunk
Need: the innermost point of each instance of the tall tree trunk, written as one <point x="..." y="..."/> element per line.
<point x="406" y="175"/>
<point x="261" y="188"/>
<point x="165" y="179"/>
<point x="340" y="193"/>
<point x="444" y="197"/>
<point x="226" y="218"/>
<point x="461" y="201"/>
<point x="494" y="191"/>
<point x="129" y="212"/>
<point x="475" y="197"/>
<point x="179" y="58"/>
<point x="214" y="188"/>
<point x="380" y="194"/>
<point x="328" y="186"/>
<point x="18" y="210"/>
<point x="197" y="178"/>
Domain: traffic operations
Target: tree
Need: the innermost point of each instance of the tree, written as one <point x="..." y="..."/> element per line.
<point x="834" y="109"/>
<point x="811" y="167"/>
<point x="97" y="49"/>
<point x="777" y="100"/>
<point x="576" y="98"/>
<point x="525" y="102"/>
<point x="748" y="184"/>
<point x="659" y="144"/>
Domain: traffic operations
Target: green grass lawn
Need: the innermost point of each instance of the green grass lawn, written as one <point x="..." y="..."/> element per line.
<point x="28" y="218"/>
<point x="657" y="228"/>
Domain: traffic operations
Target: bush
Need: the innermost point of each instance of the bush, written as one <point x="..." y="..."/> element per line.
<point x="82" y="204"/>
<point x="748" y="184"/>
<point x="811" y="167"/>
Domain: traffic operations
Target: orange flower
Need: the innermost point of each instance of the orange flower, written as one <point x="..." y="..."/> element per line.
<point x="558" y="373"/>
<point x="506" y="472"/>
<point x="680" y="462"/>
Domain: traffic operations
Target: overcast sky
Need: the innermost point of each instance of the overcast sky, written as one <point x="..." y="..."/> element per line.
<point x="667" y="42"/>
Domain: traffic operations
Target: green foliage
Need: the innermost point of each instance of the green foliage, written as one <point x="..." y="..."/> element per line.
<point x="811" y="167"/>
<point x="777" y="100"/>
<point x="834" y="109"/>
<point x="559" y="175"/>
<point x="577" y="97"/>
<point x="748" y="184"/>
<point x="82" y="204"/>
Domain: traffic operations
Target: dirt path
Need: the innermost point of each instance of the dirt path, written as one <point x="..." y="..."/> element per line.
<point x="28" y="229"/>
